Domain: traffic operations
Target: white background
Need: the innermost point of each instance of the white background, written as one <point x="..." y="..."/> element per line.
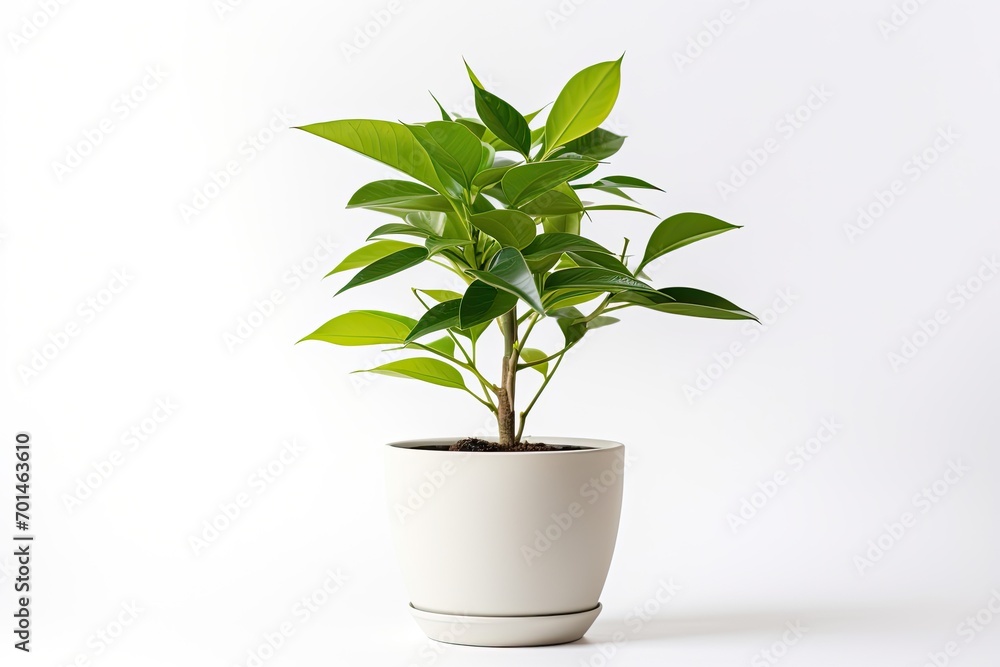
<point x="227" y="73"/>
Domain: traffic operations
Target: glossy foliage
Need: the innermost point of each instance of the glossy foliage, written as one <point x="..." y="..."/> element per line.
<point x="497" y="203"/>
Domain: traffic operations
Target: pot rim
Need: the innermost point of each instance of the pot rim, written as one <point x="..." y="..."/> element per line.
<point x="592" y="444"/>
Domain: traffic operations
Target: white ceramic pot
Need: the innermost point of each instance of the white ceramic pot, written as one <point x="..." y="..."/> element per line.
<point x="505" y="548"/>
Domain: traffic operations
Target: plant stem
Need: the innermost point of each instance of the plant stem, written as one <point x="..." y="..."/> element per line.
<point x="534" y="399"/>
<point x="506" y="418"/>
<point x="472" y="361"/>
<point x="527" y="332"/>
<point x="599" y="309"/>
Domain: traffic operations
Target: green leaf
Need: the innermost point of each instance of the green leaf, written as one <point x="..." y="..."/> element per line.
<point x="566" y="224"/>
<point x="560" y="200"/>
<point x="489" y="154"/>
<point x="455" y="151"/>
<point x="445" y="345"/>
<point x="444" y="114"/>
<point x="565" y="298"/>
<point x="503" y="120"/>
<point x="510" y="228"/>
<point x="530" y="354"/>
<point x="619" y="182"/>
<point x="492" y="176"/>
<point x="366" y="255"/>
<point x="680" y="230"/>
<point x="425" y="369"/>
<point x="598" y="144"/>
<point x="509" y="272"/>
<point x="482" y="205"/>
<point x="613" y="191"/>
<point x="435" y="245"/>
<point x="438" y="203"/>
<point x="549" y="246"/>
<point x="473" y="126"/>
<point x="618" y="207"/>
<point x="472" y="75"/>
<point x="686" y="301"/>
<point x="440" y="295"/>
<point x="483" y="303"/>
<point x="584" y="103"/>
<point x="441" y="316"/>
<point x="437" y="223"/>
<point x="364" y="327"/>
<point x="389" y="143"/>
<point x="398" y="228"/>
<point x="387" y="266"/>
<point x="574" y="324"/>
<point x="388" y="192"/>
<point x="525" y="182"/>
<point x="601" y="259"/>
<point x="531" y="116"/>
<point x="594" y="278"/>
<point x="570" y="321"/>
<point x="538" y="137"/>
<point x="602" y="321"/>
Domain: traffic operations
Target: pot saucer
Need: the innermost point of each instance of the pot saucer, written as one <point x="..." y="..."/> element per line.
<point x="505" y="630"/>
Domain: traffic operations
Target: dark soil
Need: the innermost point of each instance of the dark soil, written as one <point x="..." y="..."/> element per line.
<point x="478" y="445"/>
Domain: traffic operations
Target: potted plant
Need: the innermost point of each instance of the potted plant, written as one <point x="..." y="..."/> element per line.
<point x="505" y="541"/>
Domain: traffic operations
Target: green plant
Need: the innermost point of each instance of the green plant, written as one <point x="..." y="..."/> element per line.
<point x="510" y="229"/>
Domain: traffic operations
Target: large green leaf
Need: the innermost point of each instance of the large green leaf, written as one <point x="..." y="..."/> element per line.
<point x="560" y="200"/>
<point x="686" y="301"/>
<point x="553" y="244"/>
<point x="564" y="298"/>
<point x="598" y="144"/>
<point x="389" y="192"/>
<point x="364" y="327"/>
<point x="367" y="254"/>
<point x="680" y="230"/>
<point x="437" y="245"/>
<point x="510" y="228"/>
<point x="387" y="266"/>
<point x="599" y="279"/>
<point x="510" y="272"/>
<point x="446" y="345"/>
<point x="473" y="126"/>
<point x="618" y="207"/>
<point x="455" y="151"/>
<point x="482" y="303"/>
<point x="425" y="369"/>
<point x="441" y="316"/>
<point x="503" y="120"/>
<point x="389" y="143"/>
<point x="398" y="228"/>
<point x="601" y="259"/>
<point x="404" y="207"/>
<point x="584" y="103"/>
<point x="492" y="175"/>
<point x="525" y="182"/>
<point x="440" y="295"/>
<point x="619" y="182"/>
<point x="437" y="223"/>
